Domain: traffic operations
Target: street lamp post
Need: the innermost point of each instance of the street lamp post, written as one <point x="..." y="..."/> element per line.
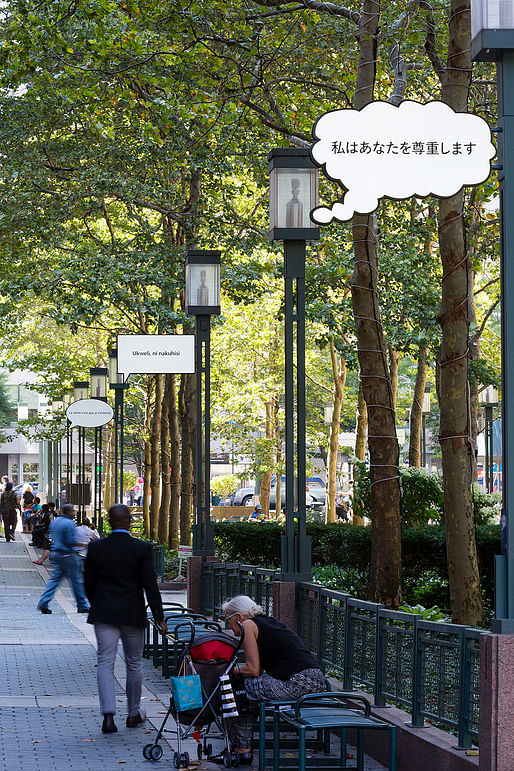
<point x="293" y="195"/>
<point x="492" y="33"/>
<point x="489" y="400"/>
<point x="55" y="490"/>
<point x="67" y="400"/>
<point x="203" y="301"/>
<point x="81" y="391"/>
<point x="98" y="377"/>
<point x="425" y="410"/>
<point x="118" y="385"/>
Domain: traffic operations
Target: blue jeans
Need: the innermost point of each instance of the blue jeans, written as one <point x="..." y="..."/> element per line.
<point x="65" y="565"/>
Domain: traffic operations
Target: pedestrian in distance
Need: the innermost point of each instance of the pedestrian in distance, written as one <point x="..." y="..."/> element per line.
<point x="65" y="560"/>
<point x="9" y="507"/>
<point x="118" y="573"/>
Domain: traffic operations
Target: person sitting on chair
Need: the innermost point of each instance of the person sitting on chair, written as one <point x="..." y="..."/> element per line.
<point x="277" y="666"/>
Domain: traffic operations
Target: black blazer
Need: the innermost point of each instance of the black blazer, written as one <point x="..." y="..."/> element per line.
<point x="118" y="571"/>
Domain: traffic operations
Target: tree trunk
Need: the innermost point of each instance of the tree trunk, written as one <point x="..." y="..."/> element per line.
<point x="416" y="413"/>
<point x="386" y="565"/>
<point x="148" y="454"/>
<point x="339" y="376"/>
<point x="187" y="422"/>
<point x="394" y="357"/>
<point x="164" y="509"/>
<point x="455" y="429"/>
<point x="108" y="498"/>
<point x="361" y="431"/>
<point x="155" y="474"/>
<point x="278" y="455"/>
<point x="267" y="474"/>
<point x="174" y="522"/>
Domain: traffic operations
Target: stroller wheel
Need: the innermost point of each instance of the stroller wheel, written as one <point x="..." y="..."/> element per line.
<point x="146" y="751"/>
<point x="155" y="752"/>
<point x="208" y="749"/>
<point x="226" y="759"/>
<point x="199" y="751"/>
<point x="234" y="758"/>
<point x="184" y="760"/>
<point x="176" y="760"/>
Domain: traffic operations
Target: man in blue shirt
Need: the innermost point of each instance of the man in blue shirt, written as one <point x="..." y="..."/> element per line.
<point x="65" y="560"/>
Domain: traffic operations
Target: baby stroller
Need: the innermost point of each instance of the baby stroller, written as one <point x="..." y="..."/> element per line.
<point x="211" y="655"/>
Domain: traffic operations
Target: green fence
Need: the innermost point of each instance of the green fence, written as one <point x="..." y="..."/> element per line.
<point x="428" y="668"/>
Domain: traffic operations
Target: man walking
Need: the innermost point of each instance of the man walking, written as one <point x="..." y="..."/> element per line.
<point x="118" y="573"/>
<point x="65" y="560"/>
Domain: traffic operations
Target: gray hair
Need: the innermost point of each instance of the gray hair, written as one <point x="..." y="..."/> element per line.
<point x="242" y="604"/>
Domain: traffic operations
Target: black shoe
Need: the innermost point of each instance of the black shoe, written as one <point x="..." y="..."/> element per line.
<point x="82" y="610"/>
<point x="132" y="722"/>
<point x="245" y="758"/>
<point x="220" y="759"/>
<point x="44" y="609"/>
<point x="108" y="725"/>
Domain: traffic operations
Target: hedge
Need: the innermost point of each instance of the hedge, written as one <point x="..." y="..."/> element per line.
<point x="348" y="548"/>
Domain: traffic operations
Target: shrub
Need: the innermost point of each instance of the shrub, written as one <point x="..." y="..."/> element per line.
<point x="341" y="556"/>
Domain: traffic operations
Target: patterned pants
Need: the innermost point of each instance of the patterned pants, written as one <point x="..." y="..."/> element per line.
<point x="264" y="688"/>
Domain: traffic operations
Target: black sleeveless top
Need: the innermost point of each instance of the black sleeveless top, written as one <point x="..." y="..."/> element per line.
<point x="281" y="651"/>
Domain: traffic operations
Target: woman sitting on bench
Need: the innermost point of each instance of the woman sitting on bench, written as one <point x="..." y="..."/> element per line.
<point x="277" y="666"/>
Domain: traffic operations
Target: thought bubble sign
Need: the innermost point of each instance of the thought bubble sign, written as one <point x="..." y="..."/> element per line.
<point x="140" y="354"/>
<point x="398" y="152"/>
<point x="89" y="413"/>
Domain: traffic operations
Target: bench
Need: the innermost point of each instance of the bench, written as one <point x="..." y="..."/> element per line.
<point x="325" y="711"/>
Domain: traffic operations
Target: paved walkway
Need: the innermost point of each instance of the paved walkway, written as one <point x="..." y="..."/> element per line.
<point x="49" y="715"/>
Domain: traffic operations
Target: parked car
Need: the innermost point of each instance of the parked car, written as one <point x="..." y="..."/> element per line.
<point x="244" y="496"/>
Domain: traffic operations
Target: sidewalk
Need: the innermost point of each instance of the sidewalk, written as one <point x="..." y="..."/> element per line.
<point x="49" y="714"/>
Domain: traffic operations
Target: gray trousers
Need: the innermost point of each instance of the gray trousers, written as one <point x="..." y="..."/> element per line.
<point x="132" y="638"/>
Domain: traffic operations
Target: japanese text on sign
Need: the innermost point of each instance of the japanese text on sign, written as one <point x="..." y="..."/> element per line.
<point x="393" y="151"/>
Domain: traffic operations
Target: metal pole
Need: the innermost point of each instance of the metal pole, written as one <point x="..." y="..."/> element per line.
<point x="203" y="530"/>
<point x="122" y="430"/>
<point x="116" y="428"/>
<point x="504" y="563"/>
<point x="486" y="442"/>
<point x="491" y="447"/>
<point x="95" y="478"/>
<point x="295" y="549"/>
<point x="423" y="441"/>
<point x="100" y="479"/>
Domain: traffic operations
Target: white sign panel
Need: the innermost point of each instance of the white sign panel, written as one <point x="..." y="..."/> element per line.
<point x="397" y="152"/>
<point x="89" y="413"/>
<point x="141" y="354"/>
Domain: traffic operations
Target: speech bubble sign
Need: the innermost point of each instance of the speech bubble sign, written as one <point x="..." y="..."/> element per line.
<point x="89" y="413"/>
<point x="397" y="152"/>
<point x="145" y="354"/>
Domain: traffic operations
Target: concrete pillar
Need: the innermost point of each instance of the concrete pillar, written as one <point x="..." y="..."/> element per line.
<point x="496" y="737"/>
<point x="284" y="603"/>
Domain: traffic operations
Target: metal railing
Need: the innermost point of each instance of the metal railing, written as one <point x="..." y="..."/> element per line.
<point x="428" y="668"/>
<point x="222" y="580"/>
<point x="158" y="559"/>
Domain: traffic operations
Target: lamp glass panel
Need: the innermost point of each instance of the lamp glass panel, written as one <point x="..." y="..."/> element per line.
<point x="293" y="194"/>
<point x="23" y="412"/>
<point x="491" y="14"/>
<point x="98" y="385"/>
<point x="203" y="285"/>
<point x="114" y="377"/>
<point x="426" y="402"/>
<point x="80" y="392"/>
